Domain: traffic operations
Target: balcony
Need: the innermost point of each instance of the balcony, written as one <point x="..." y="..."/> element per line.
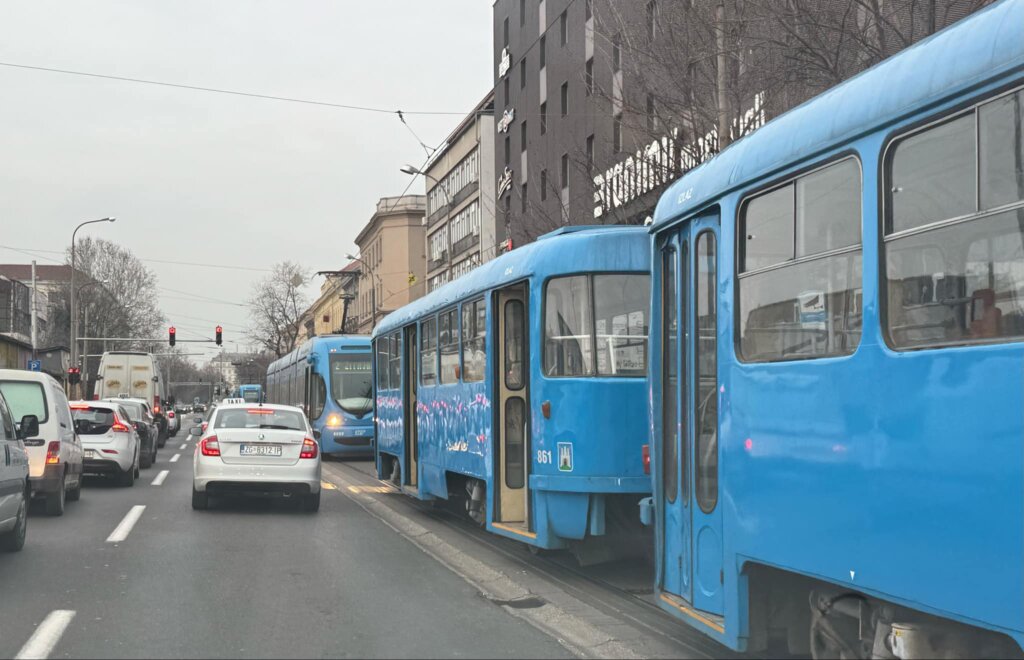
<point x="457" y="198"/>
<point x="464" y="244"/>
<point x="440" y="262"/>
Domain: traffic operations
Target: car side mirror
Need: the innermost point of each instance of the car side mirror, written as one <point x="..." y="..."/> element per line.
<point x="196" y="431"/>
<point x="29" y="427"/>
<point x="197" y="419"/>
<point x="316" y="433"/>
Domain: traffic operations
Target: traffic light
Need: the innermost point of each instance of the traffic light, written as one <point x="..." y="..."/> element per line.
<point x="220" y="335"/>
<point x="172" y="334"/>
<point x="74" y="375"/>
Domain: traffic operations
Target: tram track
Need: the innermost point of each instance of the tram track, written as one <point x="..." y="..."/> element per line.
<point x="633" y="607"/>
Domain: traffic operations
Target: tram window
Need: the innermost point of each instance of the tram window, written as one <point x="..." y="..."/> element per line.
<point x="620" y="318"/>
<point x="515" y="344"/>
<point x="1001" y="147"/>
<point x="768" y="229"/>
<point x="515" y="427"/>
<point x="449" y="344"/>
<point x="670" y="382"/>
<point x="428" y="351"/>
<point x="474" y="333"/>
<point x="318" y="396"/>
<point x="810" y="307"/>
<point x="382" y="363"/>
<point x="932" y="175"/>
<point x="395" y="361"/>
<point x="705" y="403"/>
<point x="568" y="327"/>
<point x="959" y="284"/>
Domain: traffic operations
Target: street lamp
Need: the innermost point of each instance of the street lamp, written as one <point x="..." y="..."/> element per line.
<point x="373" y="289"/>
<point x="410" y="169"/>
<point x="74" y="316"/>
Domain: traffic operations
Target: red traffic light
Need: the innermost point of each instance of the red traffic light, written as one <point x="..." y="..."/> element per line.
<point x="172" y="334"/>
<point x="219" y="335"/>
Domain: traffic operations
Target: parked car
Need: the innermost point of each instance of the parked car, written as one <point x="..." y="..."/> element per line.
<point x="173" y="423"/>
<point x="111" y="444"/>
<point x="257" y="451"/>
<point x="14" y="498"/>
<point x="134" y="374"/>
<point x="142" y="421"/>
<point x="54" y="451"/>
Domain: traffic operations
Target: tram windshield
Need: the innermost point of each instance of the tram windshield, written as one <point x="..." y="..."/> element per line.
<point x="352" y="382"/>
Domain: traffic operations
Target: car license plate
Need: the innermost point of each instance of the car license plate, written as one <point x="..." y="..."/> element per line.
<point x="89" y="453"/>
<point x="259" y="450"/>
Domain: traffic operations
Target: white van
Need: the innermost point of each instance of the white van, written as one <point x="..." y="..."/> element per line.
<point x="55" y="453"/>
<point x="133" y="374"/>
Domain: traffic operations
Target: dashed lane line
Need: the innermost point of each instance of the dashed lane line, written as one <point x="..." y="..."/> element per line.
<point x="174" y="459"/>
<point x="160" y="477"/>
<point x="123" y="529"/>
<point x="183" y="445"/>
<point x="46" y="636"/>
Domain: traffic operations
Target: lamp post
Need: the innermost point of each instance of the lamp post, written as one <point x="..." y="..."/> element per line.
<point x="412" y="170"/>
<point x="373" y="290"/>
<point x="74" y="315"/>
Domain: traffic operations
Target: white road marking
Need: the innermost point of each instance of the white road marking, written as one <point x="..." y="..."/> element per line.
<point x="174" y="459"/>
<point x="160" y="477"/>
<point x="46" y="636"/>
<point x="122" y="531"/>
<point x="183" y="446"/>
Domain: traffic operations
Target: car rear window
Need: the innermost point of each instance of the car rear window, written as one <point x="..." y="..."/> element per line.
<point x="92" y="421"/>
<point x="260" y="418"/>
<point x="25" y="398"/>
<point x="134" y="409"/>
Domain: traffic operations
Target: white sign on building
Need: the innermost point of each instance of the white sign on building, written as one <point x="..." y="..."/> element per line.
<point x="506" y="120"/>
<point x="505" y="63"/>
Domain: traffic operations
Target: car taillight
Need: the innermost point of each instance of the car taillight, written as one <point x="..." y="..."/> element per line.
<point x="210" y="446"/>
<point x="646" y="450"/>
<point x="309" y="448"/>
<point x="53" y="453"/>
<point x="170" y="414"/>
<point x="156" y="409"/>
<point x="118" y="426"/>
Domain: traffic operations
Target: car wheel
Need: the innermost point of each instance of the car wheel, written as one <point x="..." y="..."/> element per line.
<point x="14" y="540"/>
<point x="200" y="501"/>
<point x="75" y="493"/>
<point x="146" y="460"/>
<point x="55" y="501"/>
<point x="126" y="479"/>
<point x="311" y="503"/>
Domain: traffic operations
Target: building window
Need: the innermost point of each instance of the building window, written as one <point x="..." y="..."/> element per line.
<point x="590" y="152"/>
<point x="652" y="118"/>
<point x="523" y="198"/>
<point x="543" y="185"/>
<point x="508" y="150"/>
<point x="505" y="84"/>
<point x="565" y="98"/>
<point x="617" y="134"/>
<point x="588" y="76"/>
<point x="800" y="267"/>
<point x="543" y="54"/>
<point x="563" y="26"/>
<point x="617" y="53"/>
<point x="565" y="171"/>
<point x="543" y="118"/>
<point x="505" y="32"/>
<point x="652" y="19"/>
<point x="522" y="13"/>
<point x="522" y="135"/>
<point x="522" y="74"/>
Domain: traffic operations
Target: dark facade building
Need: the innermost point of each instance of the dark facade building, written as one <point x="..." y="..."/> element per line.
<point x="599" y="104"/>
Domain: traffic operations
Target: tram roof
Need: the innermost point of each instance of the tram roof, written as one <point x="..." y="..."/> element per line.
<point x="303" y="349"/>
<point x="963" y="56"/>
<point x="569" y="249"/>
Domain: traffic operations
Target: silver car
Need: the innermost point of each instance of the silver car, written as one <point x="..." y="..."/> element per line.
<point x="256" y="450"/>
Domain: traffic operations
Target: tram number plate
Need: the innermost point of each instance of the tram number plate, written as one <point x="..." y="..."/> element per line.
<point x="259" y="450"/>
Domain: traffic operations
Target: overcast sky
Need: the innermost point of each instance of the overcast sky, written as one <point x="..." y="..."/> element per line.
<point x="215" y="179"/>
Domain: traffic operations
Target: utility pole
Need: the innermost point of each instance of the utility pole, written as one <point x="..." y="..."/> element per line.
<point x="723" y="104"/>
<point x="35" y="312"/>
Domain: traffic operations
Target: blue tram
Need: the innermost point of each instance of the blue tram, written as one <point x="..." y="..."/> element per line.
<point x="250" y="393"/>
<point x="836" y="349"/>
<point x="331" y="378"/>
<point x="520" y="389"/>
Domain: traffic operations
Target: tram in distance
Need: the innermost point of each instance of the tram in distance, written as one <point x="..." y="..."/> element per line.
<point x="519" y="392"/>
<point x="836" y="347"/>
<point x="250" y="393"/>
<point x="330" y="378"/>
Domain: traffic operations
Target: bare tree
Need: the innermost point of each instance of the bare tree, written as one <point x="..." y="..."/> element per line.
<point x="276" y="307"/>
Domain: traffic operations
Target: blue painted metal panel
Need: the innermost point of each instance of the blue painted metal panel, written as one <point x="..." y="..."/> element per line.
<point x="897" y="474"/>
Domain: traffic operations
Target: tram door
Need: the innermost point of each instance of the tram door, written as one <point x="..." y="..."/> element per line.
<point x="513" y="418"/>
<point x="409" y="403"/>
<point x="692" y="520"/>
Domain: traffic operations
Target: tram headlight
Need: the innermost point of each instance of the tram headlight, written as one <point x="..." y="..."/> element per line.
<point x="333" y="420"/>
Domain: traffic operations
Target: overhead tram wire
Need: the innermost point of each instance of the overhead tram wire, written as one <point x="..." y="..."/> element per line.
<point x="158" y="261"/>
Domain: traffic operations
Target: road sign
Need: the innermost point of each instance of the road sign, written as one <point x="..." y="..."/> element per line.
<point x="35" y="365"/>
